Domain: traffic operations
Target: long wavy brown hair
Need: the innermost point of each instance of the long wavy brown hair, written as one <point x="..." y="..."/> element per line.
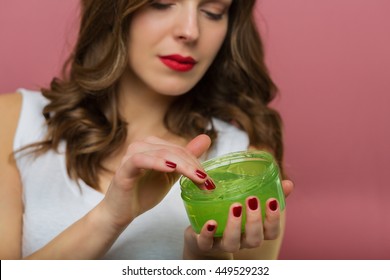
<point x="83" y="107"/>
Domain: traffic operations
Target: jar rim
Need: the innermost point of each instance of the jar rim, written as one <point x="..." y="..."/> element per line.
<point x="191" y="191"/>
<point x="236" y="157"/>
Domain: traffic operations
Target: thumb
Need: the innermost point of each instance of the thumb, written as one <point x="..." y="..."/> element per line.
<point x="199" y="145"/>
<point x="288" y="187"/>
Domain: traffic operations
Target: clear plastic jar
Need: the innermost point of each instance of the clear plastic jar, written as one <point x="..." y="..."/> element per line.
<point x="236" y="176"/>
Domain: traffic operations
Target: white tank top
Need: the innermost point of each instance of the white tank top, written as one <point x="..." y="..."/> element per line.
<point x="52" y="201"/>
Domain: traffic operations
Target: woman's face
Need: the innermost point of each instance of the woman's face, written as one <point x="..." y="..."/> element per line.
<point x="173" y="42"/>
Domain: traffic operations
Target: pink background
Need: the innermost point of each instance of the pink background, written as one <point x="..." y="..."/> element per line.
<point x="332" y="64"/>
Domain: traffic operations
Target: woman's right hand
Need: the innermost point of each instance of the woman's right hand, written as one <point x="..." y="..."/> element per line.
<point x="147" y="172"/>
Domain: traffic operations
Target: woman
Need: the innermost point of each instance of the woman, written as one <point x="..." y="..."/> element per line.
<point x="150" y="87"/>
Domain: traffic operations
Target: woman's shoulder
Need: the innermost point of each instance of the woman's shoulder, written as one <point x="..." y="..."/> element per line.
<point x="21" y="116"/>
<point x="10" y="106"/>
<point x="10" y="186"/>
<point x="14" y="103"/>
<point x="10" y="102"/>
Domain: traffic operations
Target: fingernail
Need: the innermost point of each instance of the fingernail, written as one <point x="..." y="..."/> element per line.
<point x="237" y="211"/>
<point x="201" y="174"/>
<point x="253" y="204"/>
<point x="209" y="185"/>
<point x="273" y="205"/>
<point x="170" y="164"/>
<point x="210" y="227"/>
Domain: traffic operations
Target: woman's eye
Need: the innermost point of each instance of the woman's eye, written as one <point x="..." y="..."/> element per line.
<point x="213" y="16"/>
<point x="160" y="6"/>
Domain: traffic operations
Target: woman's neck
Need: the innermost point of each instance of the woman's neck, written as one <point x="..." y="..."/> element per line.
<point x="143" y="109"/>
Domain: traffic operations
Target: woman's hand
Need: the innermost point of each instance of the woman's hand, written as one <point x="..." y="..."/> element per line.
<point x="147" y="172"/>
<point x="205" y="245"/>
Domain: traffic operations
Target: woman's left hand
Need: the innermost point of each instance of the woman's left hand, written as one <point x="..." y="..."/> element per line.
<point x="205" y="245"/>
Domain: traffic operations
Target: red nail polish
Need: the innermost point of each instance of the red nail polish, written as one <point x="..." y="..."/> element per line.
<point x="273" y="205"/>
<point x="201" y="174"/>
<point x="210" y="227"/>
<point x="253" y="204"/>
<point x="209" y="185"/>
<point x="237" y="211"/>
<point x="170" y="164"/>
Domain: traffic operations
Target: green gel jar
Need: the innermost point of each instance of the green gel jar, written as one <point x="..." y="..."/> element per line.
<point x="236" y="176"/>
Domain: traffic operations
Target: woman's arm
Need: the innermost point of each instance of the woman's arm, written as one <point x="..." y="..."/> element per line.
<point x="11" y="209"/>
<point x="128" y="196"/>
<point x="152" y="164"/>
<point x="88" y="238"/>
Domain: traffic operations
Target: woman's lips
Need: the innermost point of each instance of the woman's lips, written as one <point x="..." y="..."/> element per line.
<point x="178" y="63"/>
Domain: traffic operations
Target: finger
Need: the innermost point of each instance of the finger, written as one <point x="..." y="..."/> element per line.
<point x="253" y="227"/>
<point x="288" y="187"/>
<point x="164" y="160"/>
<point x="199" y="145"/>
<point x="198" y="176"/>
<point x="163" y="143"/>
<point x="161" y="148"/>
<point x="231" y="240"/>
<point x="193" y="172"/>
<point x="137" y="163"/>
<point x="206" y="236"/>
<point x="272" y="219"/>
<point x="196" y="147"/>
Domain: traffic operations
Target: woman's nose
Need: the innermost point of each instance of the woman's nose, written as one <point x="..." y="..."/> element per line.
<point x="186" y="27"/>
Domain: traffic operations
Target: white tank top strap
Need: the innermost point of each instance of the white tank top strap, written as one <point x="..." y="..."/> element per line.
<point x="31" y="127"/>
<point x="230" y="139"/>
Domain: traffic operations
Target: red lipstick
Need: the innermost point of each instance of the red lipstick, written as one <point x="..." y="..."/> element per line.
<point x="178" y="63"/>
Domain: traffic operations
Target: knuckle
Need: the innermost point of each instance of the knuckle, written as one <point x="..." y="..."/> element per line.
<point x="136" y="159"/>
<point x="254" y="243"/>
<point x="205" y="246"/>
<point x="134" y="147"/>
<point x="232" y="248"/>
<point x="163" y="153"/>
<point x="179" y="151"/>
<point x="272" y="235"/>
<point x="182" y="152"/>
